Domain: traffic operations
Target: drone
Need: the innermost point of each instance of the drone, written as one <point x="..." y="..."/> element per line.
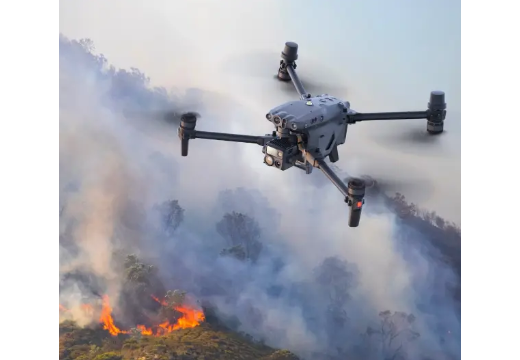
<point x="310" y="129"/>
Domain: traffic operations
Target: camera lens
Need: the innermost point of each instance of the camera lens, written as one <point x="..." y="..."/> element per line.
<point x="277" y="164"/>
<point x="268" y="159"/>
<point x="277" y="120"/>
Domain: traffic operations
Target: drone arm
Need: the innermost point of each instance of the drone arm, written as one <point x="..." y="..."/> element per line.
<point x="354" y="192"/>
<point x="402" y="115"/>
<point x="435" y="114"/>
<point x="331" y="175"/>
<point x="297" y="82"/>
<point x="287" y="70"/>
<point x="250" y="139"/>
<point x="186" y="134"/>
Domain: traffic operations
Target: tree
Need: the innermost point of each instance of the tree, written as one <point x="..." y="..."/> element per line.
<point x="175" y="298"/>
<point x="237" y="252"/>
<point x="240" y="230"/>
<point x="137" y="272"/>
<point x="171" y="215"/>
<point x="336" y="277"/>
<point x="172" y="299"/>
<point x="393" y="335"/>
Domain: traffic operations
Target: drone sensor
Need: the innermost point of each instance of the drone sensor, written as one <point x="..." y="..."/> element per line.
<point x="268" y="159"/>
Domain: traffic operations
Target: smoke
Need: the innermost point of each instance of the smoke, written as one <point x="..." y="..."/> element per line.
<point x="117" y="160"/>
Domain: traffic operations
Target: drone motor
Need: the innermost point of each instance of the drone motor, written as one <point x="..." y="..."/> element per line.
<point x="437" y="109"/>
<point x="188" y="122"/>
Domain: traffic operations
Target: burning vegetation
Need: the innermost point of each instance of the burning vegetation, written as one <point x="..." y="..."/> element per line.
<point x="189" y="318"/>
<point x="173" y="312"/>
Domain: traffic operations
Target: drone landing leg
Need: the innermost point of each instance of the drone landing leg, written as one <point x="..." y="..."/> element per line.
<point x="334" y="155"/>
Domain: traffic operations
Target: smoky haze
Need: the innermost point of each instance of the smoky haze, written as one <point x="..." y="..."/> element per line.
<point x="117" y="160"/>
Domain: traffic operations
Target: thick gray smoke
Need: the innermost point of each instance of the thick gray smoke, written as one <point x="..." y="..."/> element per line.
<point x="316" y="285"/>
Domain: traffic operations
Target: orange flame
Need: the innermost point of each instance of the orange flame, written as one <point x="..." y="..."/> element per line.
<point x="162" y="302"/>
<point x="106" y="318"/>
<point x="190" y="318"/>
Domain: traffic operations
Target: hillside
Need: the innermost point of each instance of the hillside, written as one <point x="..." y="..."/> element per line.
<point x="142" y="252"/>
<point x="207" y="341"/>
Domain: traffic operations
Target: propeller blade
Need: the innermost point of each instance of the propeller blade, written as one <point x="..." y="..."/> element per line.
<point x="264" y="65"/>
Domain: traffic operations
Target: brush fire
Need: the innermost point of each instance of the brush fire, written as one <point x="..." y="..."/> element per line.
<point x="188" y="317"/>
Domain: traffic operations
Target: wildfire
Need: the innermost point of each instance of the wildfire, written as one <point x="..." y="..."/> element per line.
<point x="106" y="318"/>
<point x="162" y="302"/>
<point x="189" y="318"/>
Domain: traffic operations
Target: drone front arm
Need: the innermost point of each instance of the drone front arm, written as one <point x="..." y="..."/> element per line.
<point x="186" y="134"/>
<point x="354" y="192"/>
<point x="250" y="139"/>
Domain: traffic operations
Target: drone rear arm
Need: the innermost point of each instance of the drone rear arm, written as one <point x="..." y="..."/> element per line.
<point x="287" y="69"/>
<point x="291" y="69"/>
<point x="435" y="114"/>
<point x="403" y="115"/>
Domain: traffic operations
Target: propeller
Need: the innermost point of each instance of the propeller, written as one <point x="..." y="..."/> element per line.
<point x="412" y="138"/>
<point x="264" y="65"/>
<point x="417" y="191"/>
<point x="385" y="181"/>
<point x="161" y="122"/>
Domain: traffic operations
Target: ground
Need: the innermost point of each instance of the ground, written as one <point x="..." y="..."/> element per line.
<point x="207" y="341"/>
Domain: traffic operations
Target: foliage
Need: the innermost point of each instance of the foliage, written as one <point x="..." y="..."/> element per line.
<point x="281" y="355"/>
<point x="171" y="215"/>
<point x="175" y="297"/>
<point x="172" y="299"/>
<point x="138" y="272"/>
<point x="337" y="277"/>
<point x="394" y="335"/>
<point x="236" y="252"/>
<point x="108" y="356"/>
<point x="442" y="235"/>
<point x="202" y="342"/>
<point x="242" y="233"/>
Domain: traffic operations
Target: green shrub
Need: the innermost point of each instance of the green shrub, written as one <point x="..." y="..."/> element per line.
<point x="109" y="356"/>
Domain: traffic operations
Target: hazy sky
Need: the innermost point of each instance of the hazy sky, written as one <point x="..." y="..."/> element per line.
<point x="389" y="54"/>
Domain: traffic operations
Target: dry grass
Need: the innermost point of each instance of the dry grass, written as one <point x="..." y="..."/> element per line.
<point x="207" y="341"/>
